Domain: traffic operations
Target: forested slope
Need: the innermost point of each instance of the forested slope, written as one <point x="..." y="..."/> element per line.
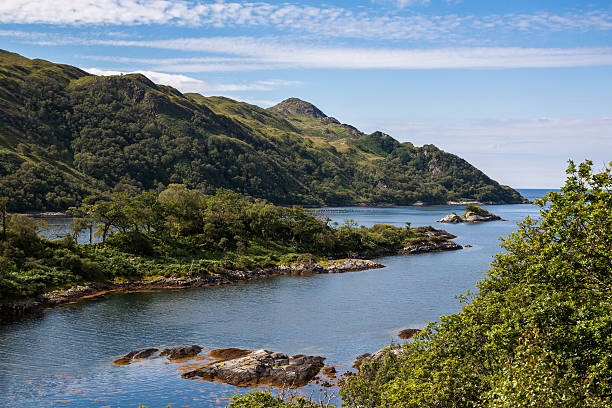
<point x="65" y="134"/>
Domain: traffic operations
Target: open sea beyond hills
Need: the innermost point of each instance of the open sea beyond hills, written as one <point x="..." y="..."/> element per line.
<point x="63" y="356"/>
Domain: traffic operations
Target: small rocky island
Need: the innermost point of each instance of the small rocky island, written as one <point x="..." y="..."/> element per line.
<point x="250" y="368"/>
<point x="239" y="367"/>
<point x="472" y="214"/>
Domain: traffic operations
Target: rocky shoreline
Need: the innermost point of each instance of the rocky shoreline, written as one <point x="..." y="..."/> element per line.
<point x="59" y="297"/>
<point x="14" y="311"/>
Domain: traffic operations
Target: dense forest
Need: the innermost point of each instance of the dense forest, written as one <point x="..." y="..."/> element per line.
<point x="179" y="233"/>
<point x="65" y="134"/>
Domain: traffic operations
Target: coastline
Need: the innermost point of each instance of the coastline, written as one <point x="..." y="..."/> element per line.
<point x="16" y="310"/>
<point x="60" y="214"/>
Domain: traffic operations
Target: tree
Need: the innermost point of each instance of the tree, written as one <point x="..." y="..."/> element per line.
<point x="82" y="219"/>
<point x="3" y="203"/>
<point x="538" y="332"/>
<point x="111" y="213"/>
<point x="78" y="225"/>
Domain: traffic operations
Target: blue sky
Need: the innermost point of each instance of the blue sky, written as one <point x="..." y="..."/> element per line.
<point x="515" y="87"/>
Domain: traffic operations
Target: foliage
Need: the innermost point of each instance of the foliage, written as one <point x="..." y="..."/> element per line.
<point x="538" y="332"/>
<point x="65" y="135"/>
<point x="471" y="208"/>
<point x="265" y="399"/>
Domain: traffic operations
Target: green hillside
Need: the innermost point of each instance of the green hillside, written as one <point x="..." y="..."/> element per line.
<point x="65" y="134"/>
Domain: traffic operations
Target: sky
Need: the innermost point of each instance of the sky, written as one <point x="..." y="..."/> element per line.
<point x="514" y="87"/>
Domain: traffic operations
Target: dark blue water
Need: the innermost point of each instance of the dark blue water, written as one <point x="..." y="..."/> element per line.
<point x="63" y="357"/>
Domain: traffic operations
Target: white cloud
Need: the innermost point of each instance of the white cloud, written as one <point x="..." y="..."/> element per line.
<point x="404" y="3"/>
<point x="329" y="21"/>
<point x="271" y="54"/>
<point x="528" y="153"/>
<point x="188" y="84"/>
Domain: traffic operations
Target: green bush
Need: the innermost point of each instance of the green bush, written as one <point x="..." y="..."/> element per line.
<point x="116" y="266"/>
<point x="133" y="242"/>
<point x="265" y="399"/>
<point x="475" y="209"/>
<point x="538" y="332"/>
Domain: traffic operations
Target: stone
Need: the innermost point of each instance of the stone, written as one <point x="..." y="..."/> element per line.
<point x="407" y="333"/>
<point x="395" y="350"/>
<point x="472" y="214"/>
<point x="436" y="232"/>
<point x="452" y="219"/>
<point x="261" y="367"/>
<point x="329" y="370"/>
<point x="430" y="246"/>
<point x="360" y="359"/>
<point x="135" y="355"/>
<point x="181" y="352"/>
<point x="473" y="217"/>
<point x="228" y="353"/>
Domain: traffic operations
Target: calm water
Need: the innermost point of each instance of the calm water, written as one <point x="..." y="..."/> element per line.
<point x="62" y="358"/>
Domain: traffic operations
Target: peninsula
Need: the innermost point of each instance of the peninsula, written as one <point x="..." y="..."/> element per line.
<point x="183" y="238"/>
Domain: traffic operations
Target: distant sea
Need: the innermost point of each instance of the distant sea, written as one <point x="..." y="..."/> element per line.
<point x="535" y="193"/>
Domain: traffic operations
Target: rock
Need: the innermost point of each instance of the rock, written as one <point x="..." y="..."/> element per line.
<point x="228" y="353"/>
<point x="347" y="265"/>
<point x="407" y="333"/>
<point x="177" y="353"/>
<point x="473" y="217"/>
<point x="329" y="370"/>
<point x="436" y="232"/>
<point x="360" y="359"/>
<point x="395" y="350"/>
<point x="430" y="246"/>
<point x="135" y="355"/>
<point x="261" y="367"/>
<point x="472" y="214"/>
<point x="452" y="219"/>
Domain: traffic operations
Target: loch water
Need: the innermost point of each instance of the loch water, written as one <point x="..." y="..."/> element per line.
<point x="63" y="356"/>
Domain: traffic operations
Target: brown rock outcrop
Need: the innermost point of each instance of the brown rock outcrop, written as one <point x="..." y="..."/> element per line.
<point x="136" y="355"/>
<point x="261" y="367"/>
<point x="181" y="352"/>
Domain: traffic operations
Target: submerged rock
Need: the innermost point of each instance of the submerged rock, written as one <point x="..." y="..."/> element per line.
<point x="261" y="367"/>
<point x="136" y="355"/>
<point x="329" y="371"/>
<point x="180" y="352"/>
<point x="407" y="333"/>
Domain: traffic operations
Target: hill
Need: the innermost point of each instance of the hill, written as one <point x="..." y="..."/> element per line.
<point x="65" y="134"/>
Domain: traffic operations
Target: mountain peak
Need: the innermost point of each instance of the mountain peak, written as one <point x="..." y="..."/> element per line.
<point x="296" y="106"/>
